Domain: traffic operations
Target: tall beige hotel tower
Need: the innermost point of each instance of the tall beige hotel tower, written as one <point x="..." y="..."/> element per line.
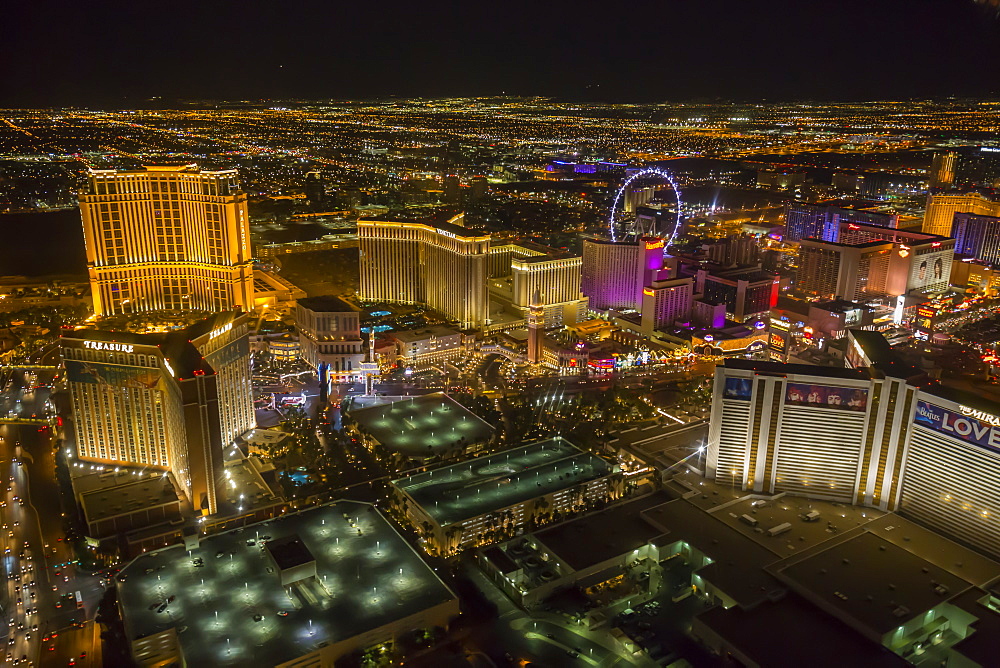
<point x="167" y="238"/>
<point x="443" y="266"/>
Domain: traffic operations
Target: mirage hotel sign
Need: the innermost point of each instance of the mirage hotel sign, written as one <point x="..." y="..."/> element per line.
<point x="982" y="416"/>
<point x="968" y="424"/>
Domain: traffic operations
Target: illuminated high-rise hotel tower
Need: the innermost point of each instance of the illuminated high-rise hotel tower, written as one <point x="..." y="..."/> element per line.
<point x="167" y="238"/>
<point x="614" y="273"/>
<point x="163" y="401"/>
<point x="443" y="266"/>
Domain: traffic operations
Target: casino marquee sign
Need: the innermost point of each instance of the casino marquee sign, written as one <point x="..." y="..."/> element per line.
<point x="969" y="425"/>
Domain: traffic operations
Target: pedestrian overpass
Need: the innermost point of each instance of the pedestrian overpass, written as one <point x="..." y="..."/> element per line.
<point x="512" y="355"/>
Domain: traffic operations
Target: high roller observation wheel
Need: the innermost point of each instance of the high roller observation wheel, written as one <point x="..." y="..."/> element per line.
<point x="646" y="171"/>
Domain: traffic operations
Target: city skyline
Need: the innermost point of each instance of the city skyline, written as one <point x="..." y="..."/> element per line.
<point x="357" y="335"/>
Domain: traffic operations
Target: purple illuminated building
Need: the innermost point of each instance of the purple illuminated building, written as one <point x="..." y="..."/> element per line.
<point x="614" y="273"/>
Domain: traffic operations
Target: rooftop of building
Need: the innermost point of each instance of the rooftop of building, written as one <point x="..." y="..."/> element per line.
<point x="176" y="345"/>
<point x="111" y="493"/>
<point x="848" y="204"/>
<point x="799" y="307"/>
<point x="738" y="562"/>
<point x="959" y="560"/>
<point x="915" y="236"/>
<point x="242" y="486"/>
<point x="980" y="646"/>
<point x="966" y="259"/>
<point x="496" y="555"/>
<point x="874" y="345"/>
<point x="780" y="369"/>
<point x="883" y="358"/>
<point x="553" y="256"/>
<point x="267" y="282"/>
<point x="528" y="249"/>
<point x="506" y="478"/>
<point x="432" y="222"/>
<point x="840" y="305"/>
<point x="730" y="331"/>
<point x="422" y="426"/>
<point x="801" y="628"/>
<point x="326" y="304"/>
<point x="264" y="437"/>
<point x="289" y="552"/>
<point x="751" y="275"/>
<point x="367" y="577"/>
<point x="839" y="244"/>
<point x="874" y="585"/>
<point x="178" y="166"/>
<point x="410" y="335"/>
<point x="598" y="239"/>
<point x="597" y="537"/>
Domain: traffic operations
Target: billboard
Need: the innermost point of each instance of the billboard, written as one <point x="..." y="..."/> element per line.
<point x="968" y="425"/>
<point x="777" y="342"/>
<point x="824" y="396"/>
<point x="738" y="388"/>
<point x="112" y="374"/>
<point x="930" y="268"/>
<point x="925" y="318"/>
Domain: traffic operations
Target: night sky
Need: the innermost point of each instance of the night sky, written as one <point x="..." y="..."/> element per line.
<point x="106" y="52"/>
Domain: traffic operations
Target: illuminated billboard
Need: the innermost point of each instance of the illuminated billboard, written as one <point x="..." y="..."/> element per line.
<point x="738" y="388"/>
<point x="777" y="342"/>
<point x="930" y="269"/>
<point x="925" y="318"/>
<point x="112" y="374"/>
<point x="823" y="396"/>
<point x="969" y="425"/>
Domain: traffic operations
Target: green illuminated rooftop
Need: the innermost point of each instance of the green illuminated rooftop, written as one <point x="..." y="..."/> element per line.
<point x="422" y="426"/>
<point x="475" y="487"/>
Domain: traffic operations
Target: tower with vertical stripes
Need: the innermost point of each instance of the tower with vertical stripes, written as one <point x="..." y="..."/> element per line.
<point x="167" y="238"/>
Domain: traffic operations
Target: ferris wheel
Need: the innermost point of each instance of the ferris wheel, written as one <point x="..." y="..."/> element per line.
<point x="619" y="227"/>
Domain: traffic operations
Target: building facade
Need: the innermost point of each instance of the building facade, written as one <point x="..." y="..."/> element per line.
<point x="976" y="276"/>
<point x="427" y="346"/>
<point x="536" y="327"/>
<point x="740" y="250"/>
<point x="977" y="237"/>
<point x="747" y="293"/>
<point x="443" y="266"/>
<point x="330" y="333"/>
<point x="555" y="280"/>
<point x="822" y="221"/>
<point x="922" y="261"/>
<point x="519" y="272"/>
<point x="942" y="207"/>
<point x="169" y="401"/>
<point x="943" y="170"/>
<point x="977" y="166"/>
<point x="664" y="302"/>
<point x="866" y="436"/>
<point x="614" y="273"/>
<point x="847" y="271"/>
<point x="167" y="238"/>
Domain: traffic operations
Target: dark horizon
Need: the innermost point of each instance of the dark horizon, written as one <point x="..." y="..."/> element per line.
<point x="179" y="103"/>
<point x="69" y="54"/>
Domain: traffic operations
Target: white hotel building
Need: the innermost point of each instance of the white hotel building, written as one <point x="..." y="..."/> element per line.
<point x="880" y="436"/>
